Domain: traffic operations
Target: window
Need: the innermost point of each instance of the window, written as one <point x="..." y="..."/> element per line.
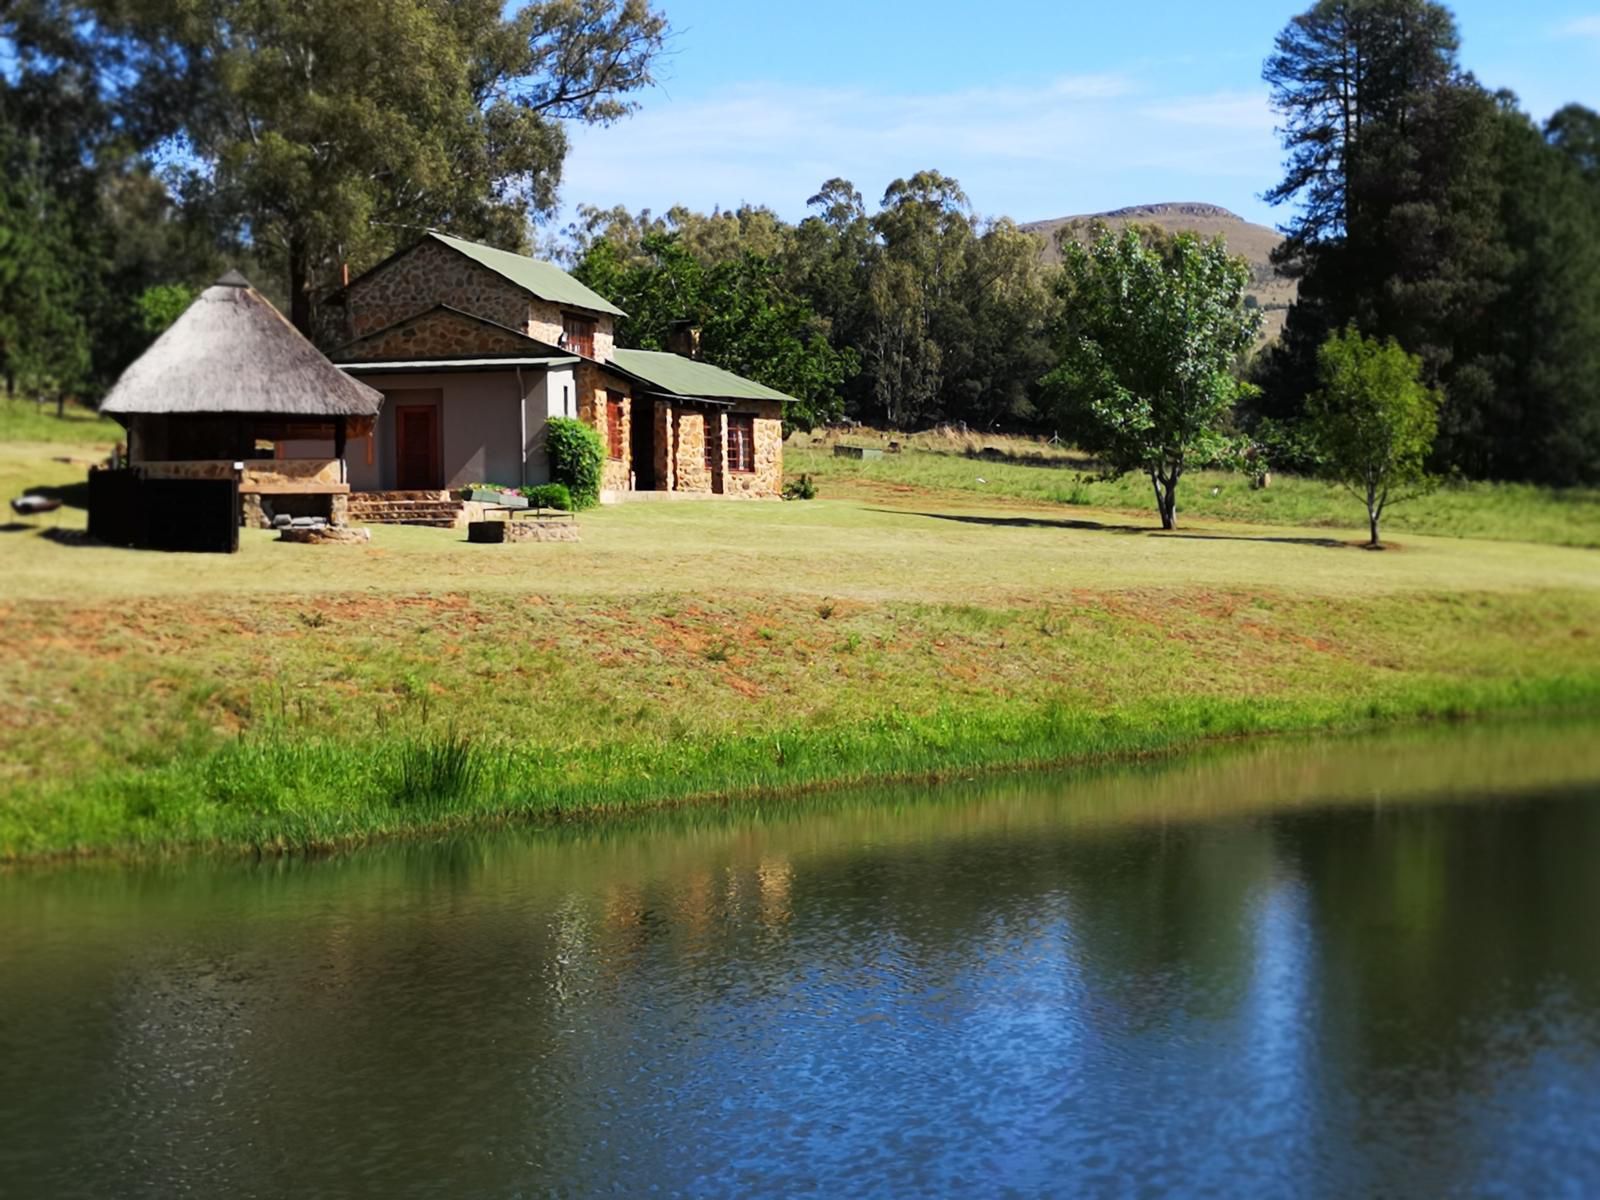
<point x="708" y="429"/>
<point x="579" y="333"/>
<point x="614" y="424"/>
<point x="741" y="442"/>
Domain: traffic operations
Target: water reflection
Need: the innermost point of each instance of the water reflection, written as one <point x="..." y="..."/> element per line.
<point x="1353" y="968"/>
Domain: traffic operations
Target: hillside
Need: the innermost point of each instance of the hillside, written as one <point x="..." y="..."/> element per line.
<point x="1254" y="242"/>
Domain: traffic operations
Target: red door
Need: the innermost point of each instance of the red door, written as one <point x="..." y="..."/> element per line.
<point x="416" y="448"/>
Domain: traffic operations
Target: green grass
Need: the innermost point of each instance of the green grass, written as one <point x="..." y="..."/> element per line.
<point x="1038" y="474"/>
<point x="25" y="421"/>
<point x="293" y="696"/>
<point x="278" y="795"/>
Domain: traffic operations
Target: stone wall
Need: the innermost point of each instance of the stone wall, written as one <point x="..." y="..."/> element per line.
<point x="546" y="322"/>
<point x="257" y="473"/>
<point x="592" y="382"/>
<point x="437" y="335"/>
<point x="766" y="481"/>
<point x="690" y="447"/>
<point x="431" y="274"/>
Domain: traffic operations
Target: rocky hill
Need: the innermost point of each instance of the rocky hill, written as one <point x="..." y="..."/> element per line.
<point x="1254" y="243"/>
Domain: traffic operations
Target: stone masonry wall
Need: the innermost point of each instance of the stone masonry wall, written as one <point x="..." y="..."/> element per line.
<point x="592" y="382"/>
<point x="428" y="275"/>
<point x="545" y="322"/>
<point x="690" y="444"/>
<point x="766" y="481"/>
<point x="438" y="335"/>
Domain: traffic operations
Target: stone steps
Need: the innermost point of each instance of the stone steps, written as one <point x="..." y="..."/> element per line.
<point x="437" y="510"/>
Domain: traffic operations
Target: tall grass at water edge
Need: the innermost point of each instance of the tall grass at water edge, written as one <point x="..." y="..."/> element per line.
<point x="273" y="794"/>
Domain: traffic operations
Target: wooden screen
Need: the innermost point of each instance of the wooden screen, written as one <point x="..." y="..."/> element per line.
<point x="614" y="424"/>
<point x="580" y="334"/>
<point x="741" y="442"/>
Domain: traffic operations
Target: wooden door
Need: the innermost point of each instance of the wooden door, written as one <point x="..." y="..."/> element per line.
<point x="416" y="448"/>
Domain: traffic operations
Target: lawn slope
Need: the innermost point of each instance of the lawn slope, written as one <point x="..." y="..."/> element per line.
<point x="294" y="696"/>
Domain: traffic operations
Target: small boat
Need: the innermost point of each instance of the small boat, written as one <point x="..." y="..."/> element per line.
<point x="32" y="505"/>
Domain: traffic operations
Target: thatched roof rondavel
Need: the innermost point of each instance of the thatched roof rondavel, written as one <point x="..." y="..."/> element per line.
<point x="232" y="352"/>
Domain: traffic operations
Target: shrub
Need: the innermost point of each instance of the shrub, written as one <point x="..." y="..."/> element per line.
<point x="549" y="495"/>
<point x="576" y="458"/>
<point x="800" y="489"/>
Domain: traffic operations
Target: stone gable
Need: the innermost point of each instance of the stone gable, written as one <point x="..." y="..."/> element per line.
<point x="437" y="334"/>
<point x="424" y="277"/>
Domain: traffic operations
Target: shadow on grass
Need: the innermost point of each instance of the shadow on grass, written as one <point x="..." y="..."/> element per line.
<point x="1019" y="522"/>
<point x="69" y="537"/>
<point x="1325" y="543"/>
<point x="992" y="454"/>
<point x="1101" y="527"/>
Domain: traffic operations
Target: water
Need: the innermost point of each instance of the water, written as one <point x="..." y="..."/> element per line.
<point x="1355" y="968"/>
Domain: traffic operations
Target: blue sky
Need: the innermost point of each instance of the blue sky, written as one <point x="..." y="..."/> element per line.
<point x="1040" y="109"/>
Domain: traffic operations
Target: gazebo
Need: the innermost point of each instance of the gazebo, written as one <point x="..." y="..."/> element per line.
<point x="233" y="390"/>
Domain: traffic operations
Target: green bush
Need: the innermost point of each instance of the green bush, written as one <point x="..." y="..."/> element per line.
<point x="803" y="488"/>
<point x="576" y="458"/>
<point x="549" y="495"/>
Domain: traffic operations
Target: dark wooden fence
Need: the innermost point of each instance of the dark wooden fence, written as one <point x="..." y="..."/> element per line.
<point x="195" y="515"/>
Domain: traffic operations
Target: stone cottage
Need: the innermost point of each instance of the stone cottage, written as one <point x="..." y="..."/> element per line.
<point x="474" y="349"/>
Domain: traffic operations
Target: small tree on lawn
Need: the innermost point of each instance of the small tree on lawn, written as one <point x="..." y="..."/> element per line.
<point x="1149" y="341"/>
<point x="1373" y="421"/>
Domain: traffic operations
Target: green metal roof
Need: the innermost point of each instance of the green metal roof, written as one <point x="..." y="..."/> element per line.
<point x="682" y="376"/>
<point x="545" y="280"/>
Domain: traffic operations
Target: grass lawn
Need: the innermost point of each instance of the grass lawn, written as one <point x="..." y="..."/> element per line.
<point x="1019" y="469"/>
<point x="297" y="696"/>
<point x="25" y="421"/>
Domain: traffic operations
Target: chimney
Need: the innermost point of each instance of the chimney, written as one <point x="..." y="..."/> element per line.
<point x="683" y="337"/>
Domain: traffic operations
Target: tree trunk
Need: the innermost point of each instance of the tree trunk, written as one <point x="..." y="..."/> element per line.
<point x="1166" y="489"/>
<point x="1372" y="518"/>
<point x="299" y="285"/>
<point x="61" y="406"/>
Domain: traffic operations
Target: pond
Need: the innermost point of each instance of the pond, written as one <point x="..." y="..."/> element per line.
<point x="1354" y="967"/>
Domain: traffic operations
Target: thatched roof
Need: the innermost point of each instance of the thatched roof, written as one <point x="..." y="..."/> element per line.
<point x="232" y="352"/>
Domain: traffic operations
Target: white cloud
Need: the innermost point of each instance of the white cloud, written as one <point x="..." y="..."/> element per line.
<point x="1582" y="27"/>
<point x="1078" y="143"/>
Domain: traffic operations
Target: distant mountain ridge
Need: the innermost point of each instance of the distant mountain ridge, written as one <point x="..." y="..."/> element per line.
<point x="1254" y="243"/>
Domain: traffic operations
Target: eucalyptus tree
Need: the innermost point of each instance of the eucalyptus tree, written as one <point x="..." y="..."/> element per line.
<point x="749" y="321"/>
<point x="1149" y="343"/>
<point x="331" y="130"/>
<point x="914" y="287"/>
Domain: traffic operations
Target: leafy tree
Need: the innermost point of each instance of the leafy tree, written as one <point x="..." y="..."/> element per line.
<point x="44" y="343"/>
<point x="749" y="323"/>
<point x="1575" y="131"/>
<point x="1535" y="348"/>
<point x="1148" y="345"/>
<point x="721" y="237"/>
<point x="1373" y="421"/>
<point x="162" y="304"/>
<point x="1005" y="330"/>
<point x="913" y="289"/>
<point x="329" y="130"/>
<point x="87" y="225"/>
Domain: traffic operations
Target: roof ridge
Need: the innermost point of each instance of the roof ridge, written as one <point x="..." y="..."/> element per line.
<point x="536" y="276"/>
